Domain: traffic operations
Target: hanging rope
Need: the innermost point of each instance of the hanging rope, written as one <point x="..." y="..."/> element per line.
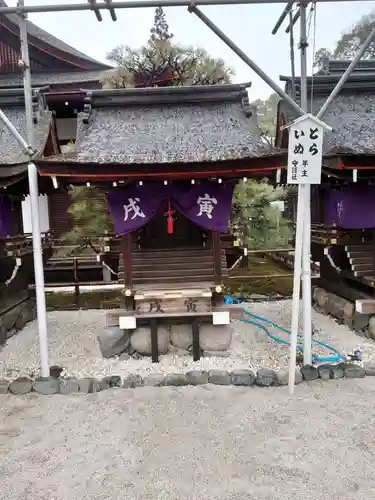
<point x="169" y="214"/>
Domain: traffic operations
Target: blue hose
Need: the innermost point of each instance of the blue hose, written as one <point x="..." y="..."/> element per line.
<point x="258" y="320"/>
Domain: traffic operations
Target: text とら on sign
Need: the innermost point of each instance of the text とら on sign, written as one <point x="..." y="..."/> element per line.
<point x="305" y="150"/>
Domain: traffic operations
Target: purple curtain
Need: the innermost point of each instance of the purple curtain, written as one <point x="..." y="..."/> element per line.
<point x="134" y="207"/>
<point x="5" y="217"/>
<point x="351" y="207"/>
<point x="208" y="205"/>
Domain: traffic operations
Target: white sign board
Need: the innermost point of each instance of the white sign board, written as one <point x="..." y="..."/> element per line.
<point x="305" y="151"/>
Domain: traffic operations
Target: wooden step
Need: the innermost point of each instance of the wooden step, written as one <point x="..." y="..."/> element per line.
<point x="173" y="251"/>
<point x="366" y="274"/>
<point x="171" y="272"/>
<point x="362" y="260"/>
<point x="203" y="278"/>
<point x="359" y="255"/>
<point x="362" y="267"/>
<point x="175" y="266"/>
<point x="359" y="248"/>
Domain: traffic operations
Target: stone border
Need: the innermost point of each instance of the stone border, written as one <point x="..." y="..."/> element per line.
<point x="244" y="378"/>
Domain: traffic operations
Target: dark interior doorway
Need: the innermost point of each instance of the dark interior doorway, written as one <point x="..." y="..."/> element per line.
<point x="186" y="233"/>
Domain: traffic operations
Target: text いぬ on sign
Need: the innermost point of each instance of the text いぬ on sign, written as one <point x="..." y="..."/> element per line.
<point x="305" y="151"/>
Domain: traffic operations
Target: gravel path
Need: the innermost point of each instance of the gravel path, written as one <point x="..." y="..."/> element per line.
<point x="212" y="443"/>
<point x="73" y="345"/>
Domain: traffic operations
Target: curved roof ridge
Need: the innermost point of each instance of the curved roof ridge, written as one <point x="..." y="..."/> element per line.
<point x="49" y="39"/>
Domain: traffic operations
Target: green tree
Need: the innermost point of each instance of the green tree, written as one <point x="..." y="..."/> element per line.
<point x="89" y="214"/>
<point x="163" y="62"/>
<point x="350" y="42"/>
<point x="267" y="113"/>
<point x="256" y="221"/>
<point x="160" y="29"/>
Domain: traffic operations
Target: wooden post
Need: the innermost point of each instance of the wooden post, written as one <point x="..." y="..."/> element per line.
<point x="76" y="280"/>
<point x="127" y="260"/>
<point x="216" y="253"/>
<point x="154" y="341"/>
<point x="373" y="260"/>
<point x="128" y="268"/>
<point x="196" y="343"/>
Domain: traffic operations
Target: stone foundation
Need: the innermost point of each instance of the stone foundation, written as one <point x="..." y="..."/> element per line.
<point x="213" y="339"/>
<point x="239" y="378"/>
<point x="344" y="312"/>
<point x="14" y="319"/>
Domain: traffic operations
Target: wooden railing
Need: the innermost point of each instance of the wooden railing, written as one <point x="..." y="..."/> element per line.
<point x="329" y="235"/>
<point x="17" y="246"/>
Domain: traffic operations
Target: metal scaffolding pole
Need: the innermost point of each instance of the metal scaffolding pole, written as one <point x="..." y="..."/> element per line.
<point x="246" y="58"/>
<point x="302" y="246"/>
<point x="285" y="12"/>
<point x="34" y="202"/>
<point x="139" y="4"/>
<point x="306" y="244"/>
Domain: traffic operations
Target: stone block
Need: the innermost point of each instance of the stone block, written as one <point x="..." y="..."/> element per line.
<point x="141" y="340"/>
<point x="215" y="337"/>
<point x="265" y="377"/>
<point x="10" y="317"/>
<point x="215" y="354"/>
<point x="69" y="386"/>
<point x="282" y="377"/>
<point x="197" y="377"/>
<point x="371" y="328"/>
<point x="369" y="369"/>
<point x="4" y="385"/>
<point x="219" y="377"/>
<point x="22" y="385"/>
<point x="325" y="371"/>
<point x="155" y="380"/>
<point x="113" y="341"/>
<point x="321" y="298"/>
<point x="55" y="371"/>
<point x="132" y="381"/>
<point x="352" y="370"/>
<point x="181" y="336"/>
<point x="46" y="386"/>
<point x="86" y="385"/>
<point x="309" y="373"/>
<point x="337" y="372"/>
<point x="243" y="377"/>
<point x="113" y="381"/>
<point x="176" y="379"/>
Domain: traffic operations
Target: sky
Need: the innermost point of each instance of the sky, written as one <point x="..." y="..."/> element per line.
<point x="249" y="26"/>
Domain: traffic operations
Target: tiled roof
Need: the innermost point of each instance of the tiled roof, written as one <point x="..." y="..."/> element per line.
<point x="352" y="112"/>
<point x="12" y="105"/>
<point x="40" y="79"/>
<point x="168" y="125"/>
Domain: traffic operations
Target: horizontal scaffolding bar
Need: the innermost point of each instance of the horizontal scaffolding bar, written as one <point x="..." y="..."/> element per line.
<point x="139" y="4"/>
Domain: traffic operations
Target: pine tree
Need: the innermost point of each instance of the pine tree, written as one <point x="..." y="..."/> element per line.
<point x="160" y="29"/>
<point x="89" y="213"/>
<point x="256" y="222"/>
<point x="161" y="60"/>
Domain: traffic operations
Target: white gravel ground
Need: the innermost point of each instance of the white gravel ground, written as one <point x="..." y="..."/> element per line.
<point x="211" y="443"/>
<point x="73" y="345"/>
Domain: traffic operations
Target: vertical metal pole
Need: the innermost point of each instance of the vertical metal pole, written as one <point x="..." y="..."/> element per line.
<point x="306" y="245"/>
<point x="34" y="202"/>
<point x="302" y="209"/>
